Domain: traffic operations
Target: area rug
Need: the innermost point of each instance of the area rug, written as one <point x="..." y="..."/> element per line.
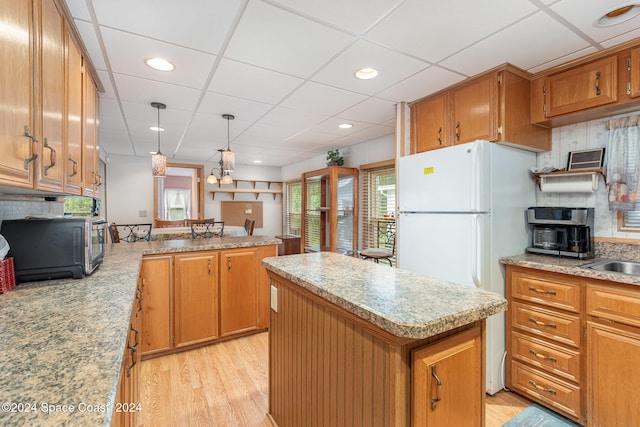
<point x="537" y="416"/>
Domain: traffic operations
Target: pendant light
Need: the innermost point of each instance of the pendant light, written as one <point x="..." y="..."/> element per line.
<point x="228" y="156"/>
<point x="158" y="160"/>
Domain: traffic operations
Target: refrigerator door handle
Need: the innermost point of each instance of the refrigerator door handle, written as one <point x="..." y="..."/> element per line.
<point x="476" y="241"/>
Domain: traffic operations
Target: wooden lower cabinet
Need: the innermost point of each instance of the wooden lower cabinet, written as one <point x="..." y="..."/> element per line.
<point x="195" y="298"/>
<point x="329" y="367"/>
<point x="157" y="333"/>
<point x="574" y="345"/>
<point x="446" y="379"/>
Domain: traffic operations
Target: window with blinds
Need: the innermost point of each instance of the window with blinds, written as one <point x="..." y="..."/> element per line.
<point x="293" y="208"/>
<point x="630" y="220"/>
<point x="379" y="206"/>
<point x="313" y="214"/>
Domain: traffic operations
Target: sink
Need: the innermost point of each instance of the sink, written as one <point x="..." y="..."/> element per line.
<point x="625" y="267"/>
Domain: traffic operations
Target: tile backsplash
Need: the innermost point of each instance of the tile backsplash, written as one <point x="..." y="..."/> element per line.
<point x="582" y="136"/>
<point x="20" y="206"/>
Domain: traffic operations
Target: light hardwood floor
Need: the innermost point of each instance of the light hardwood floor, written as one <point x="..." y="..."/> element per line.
<point x="225" y="384"/>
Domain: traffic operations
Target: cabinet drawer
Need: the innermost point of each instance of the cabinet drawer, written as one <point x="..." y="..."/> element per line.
<point x="552" y="358"/>
<point x="557" y="394"/>
<point x="546" y="289"/>
<point x="561" y="327"/>
<point x="619" y="304"/>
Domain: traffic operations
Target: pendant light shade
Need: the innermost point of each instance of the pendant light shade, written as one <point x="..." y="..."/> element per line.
<point x="228" y="156"/>
<point x="158" y="160"/>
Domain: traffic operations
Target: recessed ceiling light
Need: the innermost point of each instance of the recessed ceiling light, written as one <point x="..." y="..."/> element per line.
<point x="160" y="64"/>
<point x="618" y="15"/>
<point x="156" y="129"/>
<point x="345" y="125"/>
<point x="366" y="73"/>
<point x="257" y="161"/>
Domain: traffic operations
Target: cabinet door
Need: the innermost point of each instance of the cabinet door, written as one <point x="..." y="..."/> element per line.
<point x="613" y="377"/>
<point x="52" y="78"/>
<point x="634" y="74"/>
<point x="90" y="138"/>
<point x="447" y="386"/>
<point x="582" y="87"/>
<point x="475" y="110"/>
<point x="17" y="92"/>
<point x="196" y="298"/>
<point x="73" y="158"/>
<point x="157" y="331"/>
<point x="238" y="291"/>
<point x="429" y="124"/>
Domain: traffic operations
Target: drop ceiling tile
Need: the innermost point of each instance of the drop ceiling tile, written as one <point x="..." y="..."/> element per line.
<point x="78" y="9"/>
<point x="246" y="81"/>
<point x="260" y="134"/>
<point x="115" y="141"/>
<point x="311" y="138"/>
<point x="366" y="135"/>
<point x="171" y="119"/>
<point x="143" y="91"/>
<point x="279" y="40"/>
<point x="421" y="84"/>
<point x="373" y="110"/>
<point x="197" y="24"/>
<point x="331" y="126"/>
<point x="295" y="120"/>
<point x="216" y="104"/>
<point x="621" y="39"/>
<point x="127" y="53"/>
<point x="562" y="60"/>
<point x="90" y="40"/>
<point x="322" y="99"/>
<point x="585" y="14"/>
<point x="435" y="29"/>
<point x="525" y="45"/>
<point x="105" y="80"/>
<point x="391" y="66"/>
<point x="354" y="16"/>
<point x="110" y="114"/>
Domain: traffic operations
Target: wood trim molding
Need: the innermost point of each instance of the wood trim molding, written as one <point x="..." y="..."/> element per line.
<point x="380" y="164"/>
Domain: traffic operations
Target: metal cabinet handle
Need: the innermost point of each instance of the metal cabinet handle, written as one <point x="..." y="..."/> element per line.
<point x="458" y="131"/>
<point x="548" y="390"/>
<point x="34" y="140"/>
<point x="52" y="156"/>
<point x="540" y="356"/>
<point x="537" y="322"/>
<point x="75" y="168"/>
<point x="542" y="291"/>
<point x="228" y="263"/>
<point x="435" y="400"/>
<point x="209" y="265"/>
<point x="440" y="135"/>
<point x="597" y="82"/>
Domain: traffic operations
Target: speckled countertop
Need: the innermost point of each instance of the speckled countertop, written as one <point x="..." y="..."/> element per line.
<point x="62" y="341"/>
<point x="403" y="303"/>
<point x="571" y="266"/>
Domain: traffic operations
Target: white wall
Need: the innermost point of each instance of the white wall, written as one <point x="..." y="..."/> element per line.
<point x="581" y="136"/>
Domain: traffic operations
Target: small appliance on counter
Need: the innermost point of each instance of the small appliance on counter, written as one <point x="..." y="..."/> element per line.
<point x="54" y="248"/>
<point x="560" y="231"/>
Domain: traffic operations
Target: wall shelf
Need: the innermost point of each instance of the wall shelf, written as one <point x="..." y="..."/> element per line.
<point x="233" y="188"/>
<point x="563" y="181"/>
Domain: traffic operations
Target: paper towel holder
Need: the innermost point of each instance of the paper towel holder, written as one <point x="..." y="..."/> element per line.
<point x="580" y="181"/>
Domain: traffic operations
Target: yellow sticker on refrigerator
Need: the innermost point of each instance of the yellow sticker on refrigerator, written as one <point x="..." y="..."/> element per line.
<point x="428" y="171"/>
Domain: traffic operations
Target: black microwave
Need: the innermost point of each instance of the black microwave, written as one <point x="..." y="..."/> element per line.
<point x="54" y="248"/>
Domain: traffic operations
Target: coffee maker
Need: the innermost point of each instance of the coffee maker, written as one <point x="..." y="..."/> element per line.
<point x="559" y="231"/>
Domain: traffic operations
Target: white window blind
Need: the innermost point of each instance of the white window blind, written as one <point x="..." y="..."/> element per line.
<point x="378" y="207"/>
<point x="313" y="229"/>
<point x="293" y="208"/>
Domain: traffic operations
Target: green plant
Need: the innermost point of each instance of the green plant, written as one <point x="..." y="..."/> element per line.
<point x="334" y="157"/>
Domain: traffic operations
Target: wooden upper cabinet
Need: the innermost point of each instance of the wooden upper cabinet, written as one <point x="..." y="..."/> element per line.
<point x="582" y="87"/>
<point x="16" y="92"/>
<point x="90" y="179"/>
<point x="430" y="124"/>
<point x="51" y="174"/>
<point x="73" y="158"/>
<point x="475" y="110"/>
<point x="634" y="73"/>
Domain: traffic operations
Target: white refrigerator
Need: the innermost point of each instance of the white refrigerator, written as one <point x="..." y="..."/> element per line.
<point x="461" y="208"/>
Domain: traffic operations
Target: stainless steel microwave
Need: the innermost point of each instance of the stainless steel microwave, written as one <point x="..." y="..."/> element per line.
<point x="54" y="248"/>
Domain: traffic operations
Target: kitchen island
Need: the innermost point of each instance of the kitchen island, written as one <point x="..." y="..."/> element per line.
<point x="357" y="343"/>
<point x="63" y="340"/>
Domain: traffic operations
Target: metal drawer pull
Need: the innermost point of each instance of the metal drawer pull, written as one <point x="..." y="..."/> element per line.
<point x="550" y="325"/>
<point x="34" y="140"/>
<point x="440" y="135"/>
<point x="597" y="82"/>
<point x="52" y="156"/>
<point x="75" y="168"/>
<point x="552" y="359"/>
<point x="458" y="131"/>
<point x="548" y="390"/>
<point x="545" y="292"/>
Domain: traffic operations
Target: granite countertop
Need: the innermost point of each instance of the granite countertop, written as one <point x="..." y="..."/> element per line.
<point x="570" y="266"/>
<point x="62" y="341"/>
<point x="401" y="302"/>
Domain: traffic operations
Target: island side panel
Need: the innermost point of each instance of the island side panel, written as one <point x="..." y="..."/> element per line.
<point x="329" y="367"/>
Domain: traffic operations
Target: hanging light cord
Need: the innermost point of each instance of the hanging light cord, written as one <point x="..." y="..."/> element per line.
<point x="158" y="107"/>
